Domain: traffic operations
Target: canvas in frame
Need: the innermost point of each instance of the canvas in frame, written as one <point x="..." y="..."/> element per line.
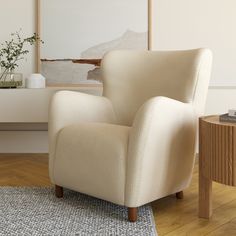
<point x="77" y="33"/>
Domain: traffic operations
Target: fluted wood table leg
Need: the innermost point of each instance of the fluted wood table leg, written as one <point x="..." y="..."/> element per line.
<point x="205" y="196"/>
<point x="205" y="182"/>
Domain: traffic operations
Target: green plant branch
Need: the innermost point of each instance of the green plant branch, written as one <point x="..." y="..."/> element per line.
<point x="7" y="69"/>
<point x="13" y="51"/>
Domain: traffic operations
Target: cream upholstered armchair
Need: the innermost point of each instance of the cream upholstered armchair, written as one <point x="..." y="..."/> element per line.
<point x="136" y="143"/>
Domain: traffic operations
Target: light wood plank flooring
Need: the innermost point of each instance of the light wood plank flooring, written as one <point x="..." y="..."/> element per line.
<point x="172" y="216"/>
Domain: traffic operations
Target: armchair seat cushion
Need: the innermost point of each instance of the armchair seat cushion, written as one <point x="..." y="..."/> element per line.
<point x="91" y="158"/>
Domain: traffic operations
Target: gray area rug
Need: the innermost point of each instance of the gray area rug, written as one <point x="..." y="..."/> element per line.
<point x="36" y="211"/>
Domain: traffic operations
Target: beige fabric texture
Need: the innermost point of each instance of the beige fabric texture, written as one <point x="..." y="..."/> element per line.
<point x="100" y="159"/>
<point x="136" y="143"/>
<point x="139" y="76"/>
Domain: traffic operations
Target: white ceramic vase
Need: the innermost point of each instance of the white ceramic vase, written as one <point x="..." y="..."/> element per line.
<point x="36" y="81"/>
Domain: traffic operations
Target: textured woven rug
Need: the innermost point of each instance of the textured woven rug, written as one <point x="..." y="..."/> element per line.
<point x="36" y="211"/>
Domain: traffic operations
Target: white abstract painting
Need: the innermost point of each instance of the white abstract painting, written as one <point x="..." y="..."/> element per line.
<point x="77" y="33"/>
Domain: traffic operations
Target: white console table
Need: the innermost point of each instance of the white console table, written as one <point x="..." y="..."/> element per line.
<point x="27" y="109"/>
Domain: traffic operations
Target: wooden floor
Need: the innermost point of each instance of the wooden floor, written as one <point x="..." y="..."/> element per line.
<point x="172" y="216"/>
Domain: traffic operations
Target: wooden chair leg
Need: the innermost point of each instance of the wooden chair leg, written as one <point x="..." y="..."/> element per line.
<point x="132" y="214"/>
<point x="180" y="195"/>
<point x="58" y="191"/>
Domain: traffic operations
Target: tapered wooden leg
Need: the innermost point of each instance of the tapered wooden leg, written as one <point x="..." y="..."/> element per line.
<point x="205" y="148"/>
<point x="132" y="214"/>
<point x="180" y="195"/>
<point x="205" y="196"/>
<point x="58" y="191"/>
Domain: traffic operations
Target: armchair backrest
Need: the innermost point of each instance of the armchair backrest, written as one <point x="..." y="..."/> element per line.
<point x="132" y="77"/>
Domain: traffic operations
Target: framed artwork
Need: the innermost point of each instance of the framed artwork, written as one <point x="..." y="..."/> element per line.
<point x="77" y="34"/>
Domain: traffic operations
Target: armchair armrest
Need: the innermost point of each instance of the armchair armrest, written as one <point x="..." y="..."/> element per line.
<point x="161" y="150"/>
<point x="68" y="107"/>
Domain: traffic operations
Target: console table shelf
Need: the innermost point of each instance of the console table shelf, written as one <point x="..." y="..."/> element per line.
<point x="31" y="105"/>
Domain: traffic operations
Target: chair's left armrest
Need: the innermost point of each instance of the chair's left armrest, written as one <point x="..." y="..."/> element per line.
<point x="68" y="107"/>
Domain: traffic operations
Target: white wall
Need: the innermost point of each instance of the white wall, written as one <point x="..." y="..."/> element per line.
<point x="176" y="25"/>
<point x="23" y="142"/>
<point x="16" y="15"/>
<point x="220" y="100"/>
<point x="187" y="24"/>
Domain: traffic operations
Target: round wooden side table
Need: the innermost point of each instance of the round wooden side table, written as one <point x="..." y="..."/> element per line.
<point x="217" y="159"/>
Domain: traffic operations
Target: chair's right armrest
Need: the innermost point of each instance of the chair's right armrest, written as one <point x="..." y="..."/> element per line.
<point x="68" y="107"/>
<point x="161" y="150"/>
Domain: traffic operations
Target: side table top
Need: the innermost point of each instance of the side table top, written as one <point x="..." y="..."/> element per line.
<point x="214" y="119"/>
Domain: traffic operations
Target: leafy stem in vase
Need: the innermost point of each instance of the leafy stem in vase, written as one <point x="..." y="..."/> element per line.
<point x="13" y="51"/>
